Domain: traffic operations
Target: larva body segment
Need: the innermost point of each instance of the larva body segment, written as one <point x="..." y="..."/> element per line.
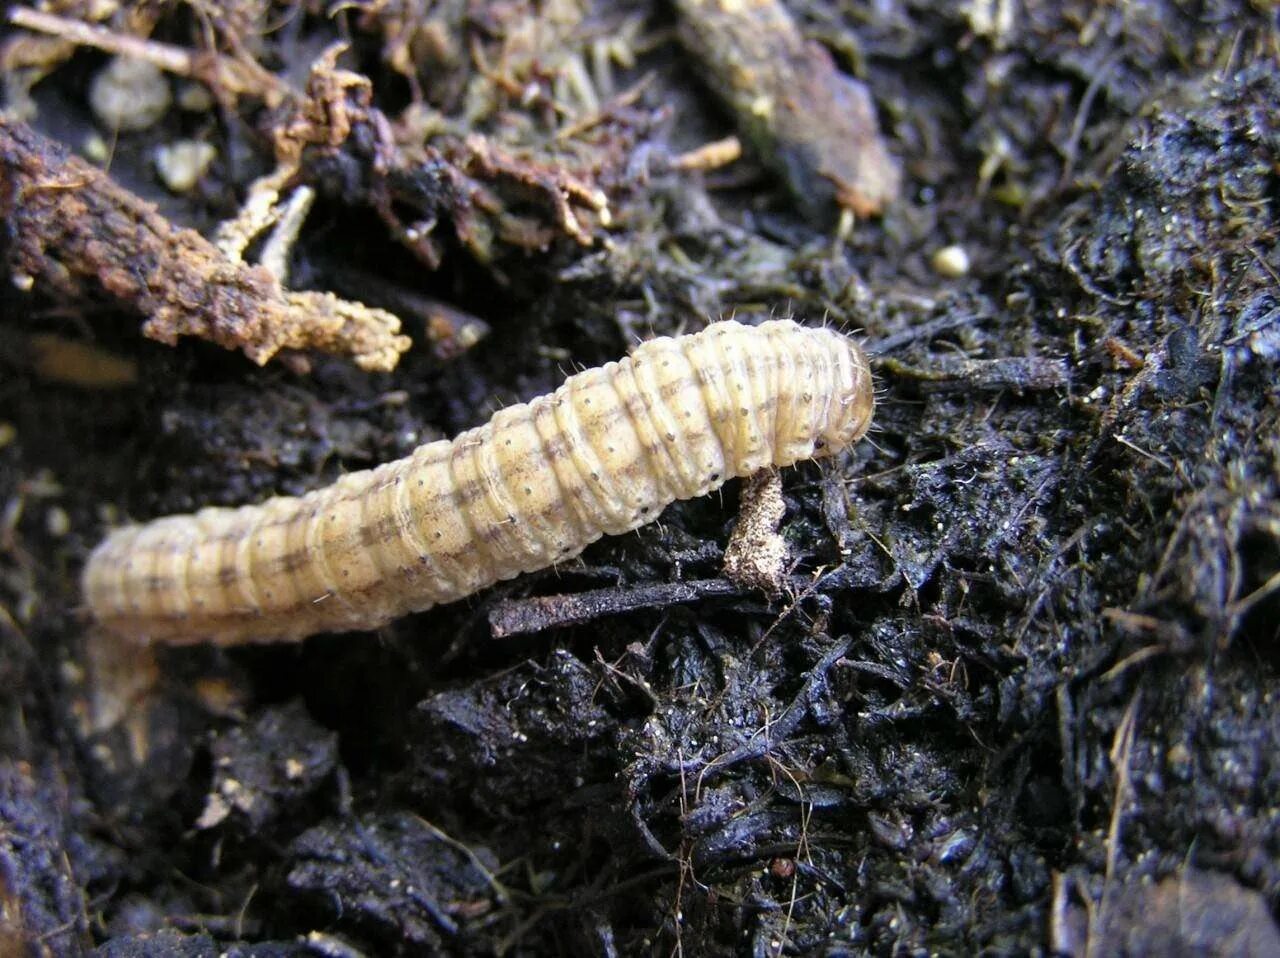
<point x="603" y="454"/>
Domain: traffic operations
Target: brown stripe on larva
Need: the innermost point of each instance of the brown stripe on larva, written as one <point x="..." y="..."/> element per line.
<point x="604" y="453"/>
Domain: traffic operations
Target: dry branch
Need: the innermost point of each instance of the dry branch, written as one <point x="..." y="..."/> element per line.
<point x="76" y="232"/>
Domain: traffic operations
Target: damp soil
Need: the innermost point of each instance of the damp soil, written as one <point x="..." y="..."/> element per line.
<point x="1021" y="694"/>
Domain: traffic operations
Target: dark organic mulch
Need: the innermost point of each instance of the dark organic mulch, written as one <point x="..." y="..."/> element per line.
<point x="1021" y="695"/>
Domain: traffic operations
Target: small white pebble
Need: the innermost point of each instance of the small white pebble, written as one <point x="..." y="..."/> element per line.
<point x="72" y="673"/>
<point x="95" y="148"/>
<point x="129" y="95"/>
<point x="57" y="522"/>
<point x="195" y="98"/>
<point x="182" y="163"/>
<point x="951" y="262"/>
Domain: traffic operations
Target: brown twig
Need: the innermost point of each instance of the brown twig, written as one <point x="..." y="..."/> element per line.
<point x="226" y="74"/>
<point x="77" y="232"/>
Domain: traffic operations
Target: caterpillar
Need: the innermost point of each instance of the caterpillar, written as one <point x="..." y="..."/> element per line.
<point x="603" y="454"/>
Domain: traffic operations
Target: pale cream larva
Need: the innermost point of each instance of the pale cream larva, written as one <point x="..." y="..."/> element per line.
<point x="604" y="453"/>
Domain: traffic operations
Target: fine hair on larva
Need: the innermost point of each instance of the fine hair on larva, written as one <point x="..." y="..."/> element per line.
<point x="603" y="454"/>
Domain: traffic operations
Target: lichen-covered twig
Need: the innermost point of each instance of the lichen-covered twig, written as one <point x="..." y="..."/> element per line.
<point x="75" y="231"/>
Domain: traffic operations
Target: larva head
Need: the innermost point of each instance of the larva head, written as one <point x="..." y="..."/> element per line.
<point x="851" y="404"/>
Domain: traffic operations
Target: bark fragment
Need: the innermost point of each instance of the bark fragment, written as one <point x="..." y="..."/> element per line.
<point x="78" y="233"/>
<point x="815" y="126"/>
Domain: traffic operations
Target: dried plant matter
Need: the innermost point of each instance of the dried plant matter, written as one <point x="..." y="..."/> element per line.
<point x="756" y="556"/>
<point x="531" y="153"/>
<point x="76" y="231"/>
<point x="604" y="453"/>
<point x="814" y="125"/>
<point x="229" y="76"/>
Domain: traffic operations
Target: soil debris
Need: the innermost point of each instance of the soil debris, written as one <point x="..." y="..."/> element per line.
<point x="261" y="772"/>
<point x="1196" y="912"/>
<point x="1019" y="692"/>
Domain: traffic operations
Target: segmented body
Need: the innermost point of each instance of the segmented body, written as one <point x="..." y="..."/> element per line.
<point x="603" y="454"/>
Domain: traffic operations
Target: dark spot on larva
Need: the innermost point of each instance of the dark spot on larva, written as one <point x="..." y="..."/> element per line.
<point x="671" y="436"/>
<point x="715" y="477"/>
<point x="528" y="490"/>
<point x="819" y="444"/>
<point x="644" y="510"/>
<point x="333" y="517"/>
<point x="346" y="573"/>
<point x="421" y="483"/>
<point x="508" y="442"/>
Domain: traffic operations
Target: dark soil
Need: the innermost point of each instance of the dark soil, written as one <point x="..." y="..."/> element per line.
<point x="1024" y="696"/>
